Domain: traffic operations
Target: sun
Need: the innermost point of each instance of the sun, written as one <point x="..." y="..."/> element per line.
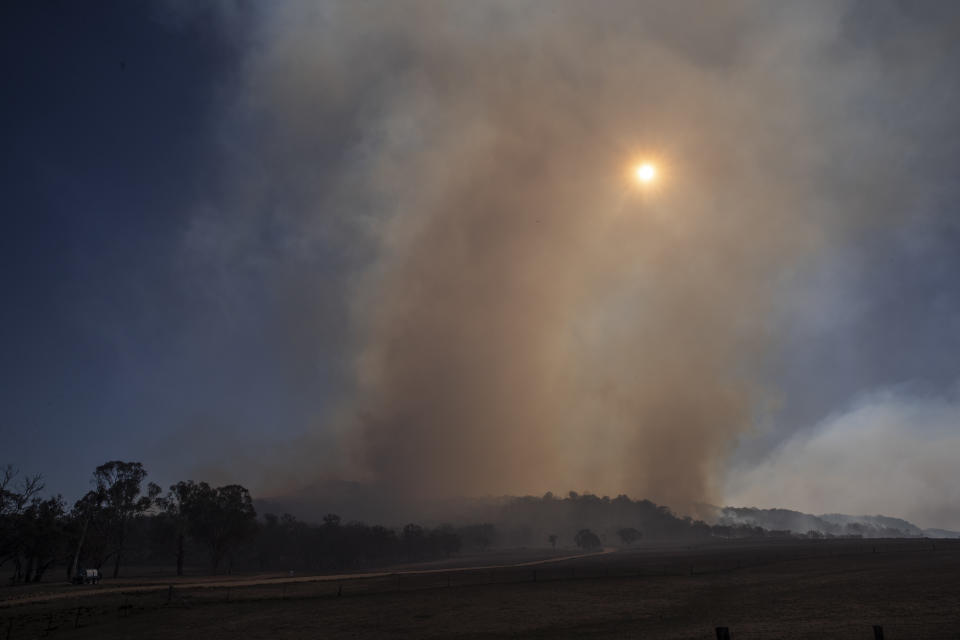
<point x="645" y="172"/>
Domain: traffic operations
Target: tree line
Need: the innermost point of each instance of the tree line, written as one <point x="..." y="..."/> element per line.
<point x="125" y="520"/>
<point x="593" y="521"/>
<point x="528" y="520"/>
<point x="119" y="515"/>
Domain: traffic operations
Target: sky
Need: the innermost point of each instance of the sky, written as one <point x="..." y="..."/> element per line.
<point x="397" y="243"/>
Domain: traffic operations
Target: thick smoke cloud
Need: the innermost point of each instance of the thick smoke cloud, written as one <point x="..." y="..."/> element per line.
<point x="522" y="317"/>
<point x="891" y="452"/>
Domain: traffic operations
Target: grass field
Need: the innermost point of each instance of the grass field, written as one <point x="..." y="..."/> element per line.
<point x="769" y="589"/>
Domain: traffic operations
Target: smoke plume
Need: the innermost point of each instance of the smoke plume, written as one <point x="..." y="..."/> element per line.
<point x="523" y="316"/>
<point x="890" y="452"/>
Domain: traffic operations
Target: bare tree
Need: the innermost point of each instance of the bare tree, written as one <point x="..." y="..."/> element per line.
<point x="16" y="498"/>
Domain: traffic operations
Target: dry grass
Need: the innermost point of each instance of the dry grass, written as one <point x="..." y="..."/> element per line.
<point x="786" y="589"/>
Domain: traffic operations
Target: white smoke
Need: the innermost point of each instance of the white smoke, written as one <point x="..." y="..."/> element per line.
<point x="891" y="453"/>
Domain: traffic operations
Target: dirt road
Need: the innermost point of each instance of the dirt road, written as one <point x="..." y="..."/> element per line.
<point x="88" y="591"/>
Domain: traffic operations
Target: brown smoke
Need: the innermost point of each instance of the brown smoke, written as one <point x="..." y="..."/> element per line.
<point x="532" y="320"/>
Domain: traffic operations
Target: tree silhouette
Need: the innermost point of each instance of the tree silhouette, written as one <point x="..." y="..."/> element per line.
<point x="117" y="495"/>
<point x="42" y="527"/>
<point x="220" y="518"/>
<point x="331" y="520"/>
<point x="31" y="529"/>
<point x="412" y="539"/>
<point x="587" y="540"/>
<point x="175" y="508"/>
<point x="629" y="535"/>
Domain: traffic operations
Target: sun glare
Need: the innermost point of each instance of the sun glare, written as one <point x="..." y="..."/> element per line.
<point x="645" y="172"/>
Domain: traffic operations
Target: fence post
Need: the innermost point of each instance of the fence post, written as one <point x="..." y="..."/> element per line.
<point x="723" y="633"/>
<point x="877" y="632"/>
<point x="76" y="619"/>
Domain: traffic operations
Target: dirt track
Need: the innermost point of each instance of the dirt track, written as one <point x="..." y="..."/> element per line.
<point x="72" y="592"/>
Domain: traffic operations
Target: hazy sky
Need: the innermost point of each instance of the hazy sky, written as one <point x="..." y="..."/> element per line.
<point x="395" y="242"/>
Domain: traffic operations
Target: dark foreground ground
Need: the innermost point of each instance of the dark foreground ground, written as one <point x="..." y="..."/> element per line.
<point x="771" y="589"/>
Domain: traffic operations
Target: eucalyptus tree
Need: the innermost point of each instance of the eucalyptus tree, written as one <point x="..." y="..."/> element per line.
<point x="174" y="510"/>
<point x="116" y="500"/>
<point x="220" y="518"/>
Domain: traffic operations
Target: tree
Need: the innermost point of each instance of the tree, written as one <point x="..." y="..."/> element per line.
<point x="220" y="518"/>
<point x="587" y="540"/>
<point x="42" y="527"/>
<point x="117" y="501"/>
<point x="629" y="535"/>
<point x="479" y="536"/>
<point x="553" y="540"/>
<point x="30" y="528"/>
<point x="331" y="520"/>
<point x="90" y="541"/>
<point x="175" y="507"/>
<point x="446" y="539"/>
<point x="13" y="498"/>
<point x="412" y="539"/>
